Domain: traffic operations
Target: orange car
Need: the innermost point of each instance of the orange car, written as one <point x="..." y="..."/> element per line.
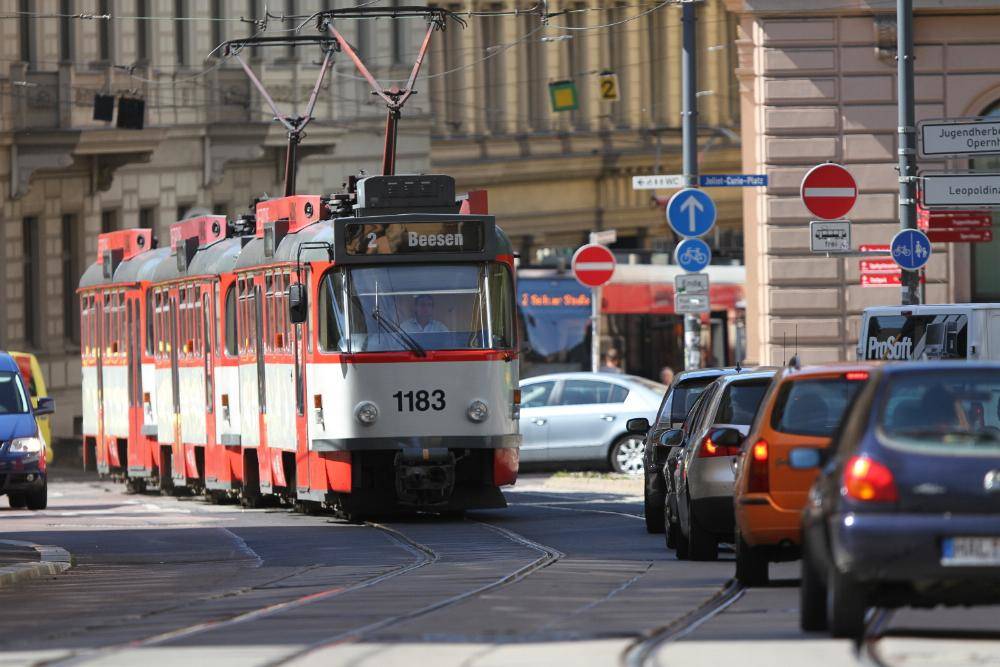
<point x="802" y="408"/>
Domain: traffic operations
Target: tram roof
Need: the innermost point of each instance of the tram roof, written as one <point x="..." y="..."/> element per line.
<point x="219" y="257"/>
<point x="138" y="268"/>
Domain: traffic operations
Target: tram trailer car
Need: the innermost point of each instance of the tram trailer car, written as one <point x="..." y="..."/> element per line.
<point x="365" y="362"/>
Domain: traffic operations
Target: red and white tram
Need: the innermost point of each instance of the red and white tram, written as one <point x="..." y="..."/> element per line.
<point x="364" y="362"/>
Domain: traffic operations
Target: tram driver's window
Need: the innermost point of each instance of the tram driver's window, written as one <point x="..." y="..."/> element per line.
<point x="231" y="333"/>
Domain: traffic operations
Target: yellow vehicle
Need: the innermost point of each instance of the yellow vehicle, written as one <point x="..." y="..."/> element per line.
<point x="31" y="371"/>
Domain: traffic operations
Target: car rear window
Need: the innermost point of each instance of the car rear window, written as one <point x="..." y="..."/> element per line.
<point x="681" y="400"/>
<point x="812" y="406"/>
<point x="952" y="412"/>
<point x="740" y="401"/>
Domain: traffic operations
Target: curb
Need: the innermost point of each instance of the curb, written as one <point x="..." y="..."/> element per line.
<point x="52" y="561"/>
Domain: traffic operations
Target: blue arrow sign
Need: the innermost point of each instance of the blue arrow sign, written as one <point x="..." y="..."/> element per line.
<point x="691" y="212"/>
<point x="692" y="255"/>
<point x="911" y="249"/>
<point x="732" y="180"/>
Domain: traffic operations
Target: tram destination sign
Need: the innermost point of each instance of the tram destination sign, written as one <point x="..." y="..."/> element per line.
<point x="944" y="137"/>
<point x="414" y="238"/>
<point x="961" y="189"/>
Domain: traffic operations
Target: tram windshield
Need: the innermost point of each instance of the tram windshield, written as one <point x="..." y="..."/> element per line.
<point x="417" y="308"/>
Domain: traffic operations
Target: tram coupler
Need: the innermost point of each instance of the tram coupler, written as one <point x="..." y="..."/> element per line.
<point x="425" y="477"/>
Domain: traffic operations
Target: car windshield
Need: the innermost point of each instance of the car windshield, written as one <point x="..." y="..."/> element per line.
<point x="681" y="400"/>
<point x="740" y="402"/>
<point x="812" y="406"/>
<point x="953" y="412"/>
<point x="12" y="397"/>
<point x="417" y="308"/>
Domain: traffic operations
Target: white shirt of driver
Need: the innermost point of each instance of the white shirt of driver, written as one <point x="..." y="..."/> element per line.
<point x="413" y="326"/>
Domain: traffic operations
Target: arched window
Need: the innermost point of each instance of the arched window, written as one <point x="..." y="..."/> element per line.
<point x="986" y="256"/>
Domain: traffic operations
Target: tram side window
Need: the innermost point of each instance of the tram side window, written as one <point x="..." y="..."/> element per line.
<point x="197" y="322"/>
<point x="232" y="340"/>
<point x="501" y="296"/>
<point x="332" y="320"/>
<point x="270" y="325"/>
<point x="149" y="324"/>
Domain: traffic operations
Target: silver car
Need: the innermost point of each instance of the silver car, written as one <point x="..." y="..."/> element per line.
<point x="580" y="417"/>
<point x="701" y="511"/>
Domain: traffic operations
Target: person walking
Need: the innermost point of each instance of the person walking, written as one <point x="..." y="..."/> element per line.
<point x="612" y="362"/>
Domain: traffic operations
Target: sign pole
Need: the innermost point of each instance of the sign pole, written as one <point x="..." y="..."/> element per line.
<point x="909" y="288"/>
<point x="595" y="329"/>
<point x="689" y="131"/>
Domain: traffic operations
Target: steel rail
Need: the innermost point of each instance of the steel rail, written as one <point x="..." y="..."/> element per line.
<point x="640" y="651"/>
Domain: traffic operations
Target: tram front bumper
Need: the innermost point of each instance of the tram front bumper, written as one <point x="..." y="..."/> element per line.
<point x="425" y="477"/>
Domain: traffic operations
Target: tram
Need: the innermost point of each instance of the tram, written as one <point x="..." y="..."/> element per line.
<point x="356" y="351"/>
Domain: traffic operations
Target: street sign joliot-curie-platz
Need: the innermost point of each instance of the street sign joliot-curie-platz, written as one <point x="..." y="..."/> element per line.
<point x="691" y="213"/>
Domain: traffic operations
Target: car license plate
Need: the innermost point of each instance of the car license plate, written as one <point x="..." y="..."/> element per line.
<point x="959" y="551"/>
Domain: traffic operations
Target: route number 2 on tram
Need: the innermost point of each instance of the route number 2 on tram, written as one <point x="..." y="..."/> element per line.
<point x="419" y="401"/>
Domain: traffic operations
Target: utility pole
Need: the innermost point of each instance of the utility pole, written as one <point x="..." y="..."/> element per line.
<point x="907" y="131"/>
<point x="689" y="132"/>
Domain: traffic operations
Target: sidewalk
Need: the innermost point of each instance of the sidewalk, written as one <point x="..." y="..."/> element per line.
<point x="20" y="561"/>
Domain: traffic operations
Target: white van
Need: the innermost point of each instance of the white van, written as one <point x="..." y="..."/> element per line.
<point x="939" y="331"/>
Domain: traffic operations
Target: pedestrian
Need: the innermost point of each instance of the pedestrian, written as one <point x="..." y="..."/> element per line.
<point x="612" y="362"/>
<point x="666" y="375"/>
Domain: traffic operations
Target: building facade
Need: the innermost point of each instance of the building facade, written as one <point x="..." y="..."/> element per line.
<point x="209" y="141"/>
<point x="819" y="85"/>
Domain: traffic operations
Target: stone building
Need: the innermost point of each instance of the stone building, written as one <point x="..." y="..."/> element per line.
<point x="209" y="141"/>
<point x="818" y="83"/>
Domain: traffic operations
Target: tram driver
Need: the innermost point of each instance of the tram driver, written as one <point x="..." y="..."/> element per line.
<point x="423" y="317"/>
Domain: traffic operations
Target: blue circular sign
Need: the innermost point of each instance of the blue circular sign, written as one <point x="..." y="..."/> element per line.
<point x="691" y="212"/>
<point x="911" y="249"/>
<point x="692" y="255"/>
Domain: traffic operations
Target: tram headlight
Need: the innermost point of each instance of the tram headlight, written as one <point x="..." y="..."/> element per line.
<point x="478" y="411"/>
<point x="366" y="412"/>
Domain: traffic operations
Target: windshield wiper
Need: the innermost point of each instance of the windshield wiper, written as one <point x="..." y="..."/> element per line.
<point x="400" y="333"/>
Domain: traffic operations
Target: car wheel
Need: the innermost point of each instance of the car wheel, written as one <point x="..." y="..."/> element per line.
<point x="751" y="564"/>
<point x="812" y="599"/>
<point x="626" y="455"/>
<point x="845" y="606"/>
<point x="38" y="500"/>
<point x="682" y="546"/>
<point x="653" y="511"/>
<point x="16" y="500"/>
<point x="702" y="545"/>
<point x="670" y="528"/>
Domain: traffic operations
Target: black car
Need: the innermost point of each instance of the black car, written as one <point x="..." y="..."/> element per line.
<point x="906" y="510"/>
<point x="677" y="402"/>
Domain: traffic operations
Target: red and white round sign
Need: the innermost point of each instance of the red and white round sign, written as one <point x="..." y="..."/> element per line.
<point x="829" y="191"/>
<point x="593" y="265"/>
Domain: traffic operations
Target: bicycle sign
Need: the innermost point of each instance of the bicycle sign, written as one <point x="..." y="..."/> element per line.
<point x="910" y="249"/>
<point x="693" y="255"/>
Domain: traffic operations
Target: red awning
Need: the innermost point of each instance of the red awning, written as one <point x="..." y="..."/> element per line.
<point x="658" y="299"/>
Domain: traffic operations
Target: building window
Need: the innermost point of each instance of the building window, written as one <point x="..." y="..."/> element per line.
<point x="142" y="31"/>
<point x="27" y="32"/>
<point x="180" y="31"/>
<point x="455" y="82"/>
<point x="576" y="59"/>
<point x="31" y="258"/>
<point x="104" y="32"/>
<point x="493" y="69"/>
<point x="184" y="211"/>
<point x="220" y="209"/>
<point x="109" y="221"/>
<point x="535" y="70"/>
<point x="71" y="274"/>
<point x="364" y="35"/>
<point x="291" y="10"/>
<point x="65" y="31"/>
<point x="986" y="256"/>
<point x="218" y="36"/>
<point x="147" y="217"/>
<point x="398" y="37"/>
<point x="617" y="37"/>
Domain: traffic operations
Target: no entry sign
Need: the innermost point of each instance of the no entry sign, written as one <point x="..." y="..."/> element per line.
<point x="829" y="191"/>
<point x="593" y="265"/>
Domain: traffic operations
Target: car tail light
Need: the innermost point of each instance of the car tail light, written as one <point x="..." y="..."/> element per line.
<point x="855" y="376"/>
<point x="758" y="479"/>
<point x="709" y="449"/>
<point x="869" y="481"/>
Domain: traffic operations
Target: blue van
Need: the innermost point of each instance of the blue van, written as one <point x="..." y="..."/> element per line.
<point x="22" y="452"/>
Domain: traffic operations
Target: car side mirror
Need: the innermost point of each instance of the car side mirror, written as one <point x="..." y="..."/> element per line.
<point x="46" y="406"/>
<point x="666" y="442"/>
<point x="727" y="437"/>
<point x="805" y="458"/>
<point x="637" y="426"/>
<point x="297" y="303"/>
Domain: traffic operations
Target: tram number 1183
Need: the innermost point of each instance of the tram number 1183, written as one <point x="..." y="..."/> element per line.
<point x="419" y="401"/>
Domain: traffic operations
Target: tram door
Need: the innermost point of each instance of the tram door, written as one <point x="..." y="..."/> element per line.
<point x="175" y="383"/>
<point x="135" y="453"/>
<point x="101" y="332"/>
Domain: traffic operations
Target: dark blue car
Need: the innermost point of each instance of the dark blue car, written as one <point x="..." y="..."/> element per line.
<point x="22" y="452"/>
<point x="906" y="511"/>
